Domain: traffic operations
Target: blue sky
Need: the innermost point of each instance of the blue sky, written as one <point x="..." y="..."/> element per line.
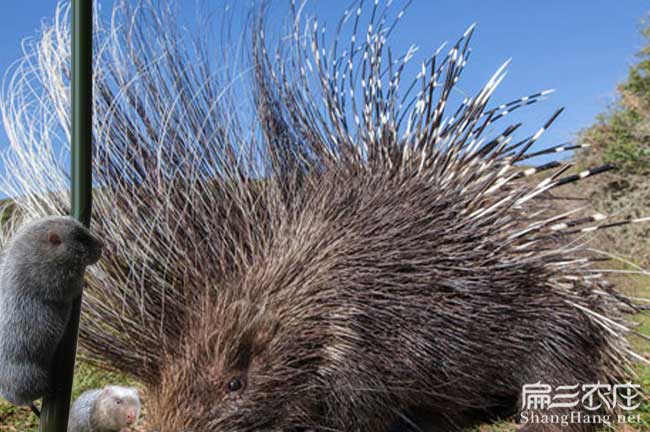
<point x="580" y="48"/>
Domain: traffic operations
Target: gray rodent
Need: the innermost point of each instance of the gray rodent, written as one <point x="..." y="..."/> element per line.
<point x="41" y="273"/>
<point x="110" y="409"/>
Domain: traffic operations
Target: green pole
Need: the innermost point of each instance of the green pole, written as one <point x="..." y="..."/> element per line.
<point x="56" y="407"/>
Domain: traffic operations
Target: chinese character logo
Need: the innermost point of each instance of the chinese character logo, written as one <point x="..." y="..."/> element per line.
<point x="536" y="396"/>
<point x="625" y="396"/>
<point x="592" y="397"/>
<point x="597" y="396"/>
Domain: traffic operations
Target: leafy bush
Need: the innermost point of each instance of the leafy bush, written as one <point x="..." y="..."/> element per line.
<point x="621" y="136"/>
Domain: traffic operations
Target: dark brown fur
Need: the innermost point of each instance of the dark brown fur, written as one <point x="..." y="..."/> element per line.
<point x="357" y="312"/>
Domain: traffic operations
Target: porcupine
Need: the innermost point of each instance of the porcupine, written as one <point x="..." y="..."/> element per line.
<point x="362" y="256"/>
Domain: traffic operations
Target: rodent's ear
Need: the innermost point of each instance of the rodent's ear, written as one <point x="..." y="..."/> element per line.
<point x="53" y="237"/>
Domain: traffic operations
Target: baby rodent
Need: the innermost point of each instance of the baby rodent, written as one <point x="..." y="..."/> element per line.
<point x="111" y="409"/>
<point x="41" y="273"/>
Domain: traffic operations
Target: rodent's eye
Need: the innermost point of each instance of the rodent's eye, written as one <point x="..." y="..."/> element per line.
<point x="235" y="385"/>
<point x="118" y="401"/>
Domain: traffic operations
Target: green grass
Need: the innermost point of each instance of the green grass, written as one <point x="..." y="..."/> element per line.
<point x="642" y="346"/>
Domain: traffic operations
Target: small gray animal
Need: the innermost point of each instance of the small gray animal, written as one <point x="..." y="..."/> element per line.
<point x="41" y="273"/>
<point x="111" y="409"/>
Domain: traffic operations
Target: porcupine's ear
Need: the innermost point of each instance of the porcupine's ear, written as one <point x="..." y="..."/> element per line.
<point x="257" y="329"/>
<point x="267" y="328"/>
<point x="261" y="333"/>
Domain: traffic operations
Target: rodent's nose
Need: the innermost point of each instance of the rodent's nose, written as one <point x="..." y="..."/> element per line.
<point x="130" y="418"/>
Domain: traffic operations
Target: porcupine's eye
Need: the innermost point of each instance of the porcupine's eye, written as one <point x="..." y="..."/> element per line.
<point x="235" y="384"/>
